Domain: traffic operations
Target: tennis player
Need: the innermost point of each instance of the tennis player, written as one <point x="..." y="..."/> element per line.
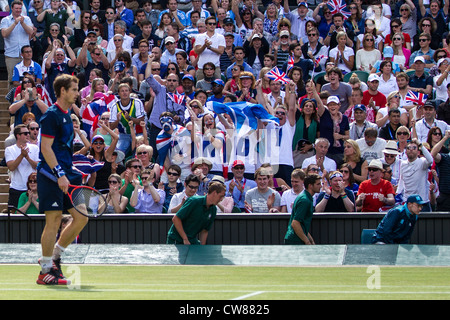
<point x="56" y="152"/>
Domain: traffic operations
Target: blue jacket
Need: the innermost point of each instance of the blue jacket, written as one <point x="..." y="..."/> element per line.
<point x="396" y="226"/>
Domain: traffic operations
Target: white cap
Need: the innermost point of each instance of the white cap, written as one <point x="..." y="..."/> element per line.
<point x="334" y="99"/>
<point x="373" y="77"/>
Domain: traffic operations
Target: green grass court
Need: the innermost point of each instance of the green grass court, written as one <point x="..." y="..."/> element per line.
<point x="123" y="282"/>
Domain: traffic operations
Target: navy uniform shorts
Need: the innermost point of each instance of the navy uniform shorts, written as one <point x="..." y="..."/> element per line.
<point x="51" y="198"/>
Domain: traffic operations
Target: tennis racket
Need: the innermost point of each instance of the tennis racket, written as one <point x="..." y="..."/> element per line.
<point x="86" y="200"/>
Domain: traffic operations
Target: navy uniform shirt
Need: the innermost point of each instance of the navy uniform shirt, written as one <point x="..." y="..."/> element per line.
<point x="396" y="226"/>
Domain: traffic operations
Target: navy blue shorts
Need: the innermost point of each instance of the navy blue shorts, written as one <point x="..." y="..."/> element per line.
<point x="51" y="198"/>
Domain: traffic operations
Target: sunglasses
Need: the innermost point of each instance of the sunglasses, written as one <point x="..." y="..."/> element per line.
<point x="175" y="174"/>
<point x="34" y="128"/>
<point x="145" y="178"/>
<point x="280" y="113"/>
<point x="192" y="187"/>
<point x="344" y="171"/>
<point x="437" y="134"/>
<point x="423" y="40"/>
<point x="156" y="69"/>
<point x="141" y="153"/>
<point x="27" y="133"/>
<point x="98" y="142"/>
<point x="373" y="169"/>
<point x="113" y="182"/>
<point x="403" y="133"/>
<point x="32" y="181"/>
<point x="136" y="167"/>
<point x="239" y="167"/>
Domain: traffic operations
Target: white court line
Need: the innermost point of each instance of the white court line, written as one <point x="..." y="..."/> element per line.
<point x="248" y="295"/>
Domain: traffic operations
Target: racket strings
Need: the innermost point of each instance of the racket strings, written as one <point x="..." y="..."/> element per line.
<point x="88" y="202"/>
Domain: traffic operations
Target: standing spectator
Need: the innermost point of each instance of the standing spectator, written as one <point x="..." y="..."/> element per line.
<point x="176" y="15"/>
<point x="21" y="159"/>
<point x="298" y="19"/>
<point x="123" y="13"/>
<point x="437" y="14"/>
<point x="60" y="13"/>
<point x="375" y="193"/>
<point x="126" y="109"/>
<point x="147" y="198"/>
<point x="196" y="216"/>
<point x="336" y="87"/>
<point x="442" y="161"/>
<point x="98" y="61"/>
<point x="16" y="31"/>
<point x="302" y="213"/>
<point x="262" y="198"/>
<point x="209" y="46"/>
<point x="414" y="173"/>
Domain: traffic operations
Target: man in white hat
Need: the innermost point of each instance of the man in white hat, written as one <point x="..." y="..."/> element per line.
<point x="170" y="53"/>
<point x="390" y="158"/>
<point x="375" y="193"/>
<point x="372" y="97"/>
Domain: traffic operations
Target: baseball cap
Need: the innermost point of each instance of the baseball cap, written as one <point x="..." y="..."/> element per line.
<point x="228" y="21"/>
<point x="388" y="52"/>
<point x="237" y="163"/>
<point x="419" y="58"/>
<point x="334" y="99"/>
<point x="228" y="34"/>
<point x="373" y="77"/>
<point x="415" y="198"/>
<point x="188" y="76"/>
<point x="119" y="66"/>
<point x="169" y="39"/>
<point x="219" y="82"/>
<point x="98" y="137"/>
<point x="302" y="4"/>
<point x="359" y="107"/>
<point x="284" y="33"/>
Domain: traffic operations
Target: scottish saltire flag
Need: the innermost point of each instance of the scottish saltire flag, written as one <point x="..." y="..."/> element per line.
<point x="167" y="143"/>
<point x="290" y="63"/>
<point x="176" y="97"/>
<point x="244" y="115"/>
<point x="336" y="6"/>
<point x="90" y="115"/>
<point x="86" y="165"/>
<point x="277" y="75"/>
<point x="416" y="97"/>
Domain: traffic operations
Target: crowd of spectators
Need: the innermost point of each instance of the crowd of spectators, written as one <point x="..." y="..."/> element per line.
<point x="366" y="104"/>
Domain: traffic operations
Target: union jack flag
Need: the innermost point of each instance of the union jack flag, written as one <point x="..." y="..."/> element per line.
<point x="290" y="63"/>
<point x="277" y="75"/>
<point x="336" y="6"/>
<point x="318" y="59"/>
<point x="416" y="97"/>
<point x="176" y="97"/>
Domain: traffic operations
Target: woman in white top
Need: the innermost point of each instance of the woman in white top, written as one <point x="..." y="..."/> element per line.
<point x="368" y="55"/>
<point x="387" y="80"/>
<point x="342" y="56"/>
<point x="441" y="80"/>
<point x="369" y="27"/>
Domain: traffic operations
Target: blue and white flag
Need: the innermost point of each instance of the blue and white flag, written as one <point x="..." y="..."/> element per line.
<point x="244" y="115"/>
<point x="86" y="165"/>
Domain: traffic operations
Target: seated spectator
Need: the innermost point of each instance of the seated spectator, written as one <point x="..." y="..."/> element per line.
<point x="375" y="193"/>
<point x="349" y="179"/>
<point x="130" y="177"/>
<point x="201" y="168"/>
<point x="29" y="200"/>
<point x="387" y="81"/>
<point x="373" y="98"/>
<point x="393" y="101"/>
<point x="28" y="100"/>
<point x="352" y="156"/>
<point x="246" y="85"/>
<point x="371" y="145"/>
<point x="172" y="186"/>
<point x="324" y="163"/>
<point x="278" y="184"/>
<point x="388" y="55"/>
<point x="27" y="65"/>
<point x="116" y="202"/>
<point x="401" y="54"/>
<point x="335" y="197"/>
<point x="288" y="197"/>
<point x="369" y="28"/>
<point x="428" y="121"/>
<point x="424" y="51"/>
<point x="191" y="184"/>
<point x="360" y="123"/>
<point x="368" y="55"/>
<point x="262" y="199"/>
<point x="238" y="185"/>
<point x="441" y="80"/>
<point x="144" y="152"/>
<point x="434" y="136"/>
<point x="147" y="198"/>
<point x="388" y="132"/>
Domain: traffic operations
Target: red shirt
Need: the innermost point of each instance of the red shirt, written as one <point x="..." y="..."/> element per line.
<point x="379" y="99"/>
<point x="371" y="202"/>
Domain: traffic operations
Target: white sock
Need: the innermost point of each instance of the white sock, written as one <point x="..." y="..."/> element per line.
<point x="46" y="264"/>
<point x="57" y="251"/>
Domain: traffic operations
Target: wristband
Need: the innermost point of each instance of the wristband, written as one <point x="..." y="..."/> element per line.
<point x="326" y="196"/>
<point x="58" y="172"/>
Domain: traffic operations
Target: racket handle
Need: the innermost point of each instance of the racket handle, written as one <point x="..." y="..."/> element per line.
<point x="48" y="175"/>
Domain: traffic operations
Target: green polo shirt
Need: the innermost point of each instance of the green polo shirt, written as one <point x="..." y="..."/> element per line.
<point x="195" y="218"/>
<point x="302" y="211"/>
